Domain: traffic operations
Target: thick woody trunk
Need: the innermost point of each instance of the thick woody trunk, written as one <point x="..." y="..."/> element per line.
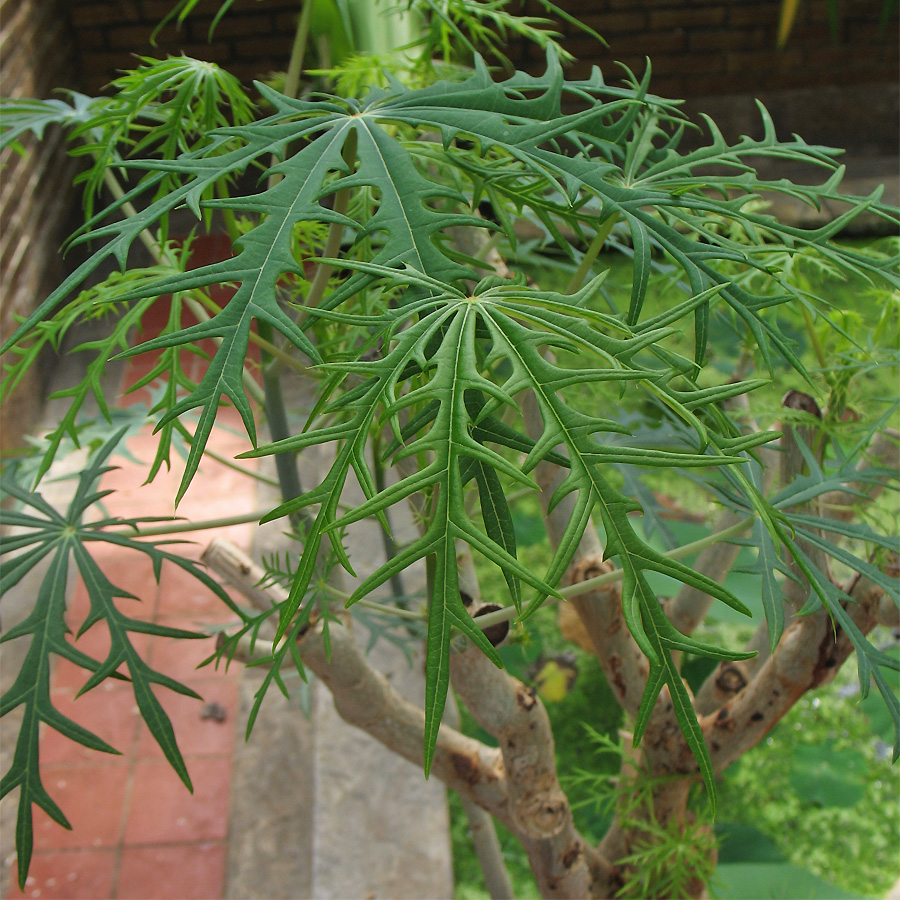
<point x="539" y="813"/>
<point x="516" y="783"/>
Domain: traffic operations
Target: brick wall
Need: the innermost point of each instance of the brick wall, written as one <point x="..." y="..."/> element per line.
<point x="718" y="54"/>
<point x="252" y="39"/>
<point x="35" y="58"/>
<point x="721" y="54"/>
<point x="705" y="47"/>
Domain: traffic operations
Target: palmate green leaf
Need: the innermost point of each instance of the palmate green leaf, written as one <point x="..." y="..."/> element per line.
<point x="181" y="9"/>
<point x="163" y="105"/>
<point x="66" y="537"/>
<point x="88" y="305"/>
<point x="454" y="371"/>
<point x="667" y="193"/>
<point x="793" y="500"/>
<point x="265" y="252"/>
<point x="519" y="119"/>
<point x="441" y="347"/>
<point x="564" y="425"/>
<point x="444" y="340"/>
<point x="789" y="525"/>
<point x="467" y="25"/>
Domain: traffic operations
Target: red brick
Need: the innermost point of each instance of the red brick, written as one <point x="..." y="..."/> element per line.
<point x="184" y="872"/>
<point x="234" y="26"/>
<point x="869" y="33"/>
<point x="278" y="45"/>
<point x="765" y="14"/>
<point x="85" y="875"/>
<point x="616" y="22"/>
<point x="95" y="14"/>
<point x="629" y="4"/>
<point x="133" y="38"/>
<point x="686" y="18"/>
<point x="728" y="39"/>
<point x="217" y="52"/>
<point x="766" y="61"/>
<point x="649" y="43"/>
<point x="286" y="22"/>
<point x="699" y="63"/>
<point x="102" y="66"/>
<point x="156" y="10"/>
<point x="719" y="83"/>
<point x="162" y="810"/>
<point x="76" y="789"/>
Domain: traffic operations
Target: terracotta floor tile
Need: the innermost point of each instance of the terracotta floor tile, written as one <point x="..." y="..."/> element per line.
<point x="163" y="811"/>
<point x="218" y="492"/>
<point x="170" y="842"/>
<point x="201" y="504"/>
<point x="130" y="476"/>
<point x="132" y="497"/>
<point x="231" y="418"/>
<point x="126" y="397"/>
<point x="198" y="736"/>
<point x="92" y="798"/>
<point x="143" y="446"/>
<point x="110" y="711"/>
<point x="184" y="872"/>
<point x="143" y="503"/>
<point x="179" y="657"/>
<point x="71" y="875"/>
<point x="185" y="597"/>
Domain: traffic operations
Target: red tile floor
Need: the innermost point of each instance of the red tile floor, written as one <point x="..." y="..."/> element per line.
<point x="137" y="831"/>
